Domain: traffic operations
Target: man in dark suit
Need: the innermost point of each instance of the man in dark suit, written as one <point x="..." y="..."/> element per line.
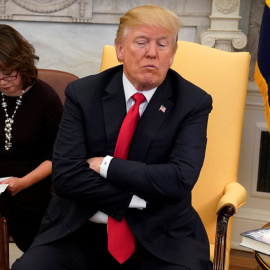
<point x="151" y="189"/>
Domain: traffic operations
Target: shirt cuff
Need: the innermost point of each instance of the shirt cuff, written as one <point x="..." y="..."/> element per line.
<point x="99" y="217"/>
<point x="104" y="166"/>
<point x="137" y="202"/>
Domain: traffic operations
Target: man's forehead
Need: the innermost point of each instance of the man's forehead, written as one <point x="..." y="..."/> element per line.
<point x="150" y="31"/>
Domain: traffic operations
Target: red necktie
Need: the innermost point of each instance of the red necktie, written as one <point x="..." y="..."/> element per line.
<point x="121" y="243"/>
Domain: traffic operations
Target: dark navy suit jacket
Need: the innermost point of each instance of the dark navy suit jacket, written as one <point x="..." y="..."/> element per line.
<point x="164" y="162"/>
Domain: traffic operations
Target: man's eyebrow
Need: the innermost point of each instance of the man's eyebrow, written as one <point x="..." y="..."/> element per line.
<point x="141" y="36"/>
<point x="147" y="36"/>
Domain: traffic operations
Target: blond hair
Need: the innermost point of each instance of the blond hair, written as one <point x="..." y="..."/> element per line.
<point x="151" y="15"/>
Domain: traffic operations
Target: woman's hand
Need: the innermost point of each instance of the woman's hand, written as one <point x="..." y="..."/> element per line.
<point x="15" y="185"/>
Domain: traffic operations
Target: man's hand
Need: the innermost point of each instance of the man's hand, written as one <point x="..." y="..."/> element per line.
<point x="94" y="163"/>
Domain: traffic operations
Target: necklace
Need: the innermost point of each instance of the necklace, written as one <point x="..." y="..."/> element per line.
<point x="10" y="120"/>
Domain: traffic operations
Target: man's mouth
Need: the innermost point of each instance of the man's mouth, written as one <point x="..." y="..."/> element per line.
<point x="150" y="67"/>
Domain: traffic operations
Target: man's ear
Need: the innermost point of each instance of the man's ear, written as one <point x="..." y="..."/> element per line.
<point x="174" y="52"/>
<point x="119" y="52"/>
<point x="171" y="60"/>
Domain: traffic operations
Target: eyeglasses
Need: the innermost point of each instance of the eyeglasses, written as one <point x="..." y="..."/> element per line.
<point x="9" y="78"/>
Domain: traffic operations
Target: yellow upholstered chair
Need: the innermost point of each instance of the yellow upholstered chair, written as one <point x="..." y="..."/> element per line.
<point x="216" y="195"/>
<point x="58" y="80"/>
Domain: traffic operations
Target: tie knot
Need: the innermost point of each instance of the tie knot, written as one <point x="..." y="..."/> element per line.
<point x="138" y="98"/>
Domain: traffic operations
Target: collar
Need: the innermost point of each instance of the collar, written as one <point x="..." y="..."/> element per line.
<point x="130" y="90"/>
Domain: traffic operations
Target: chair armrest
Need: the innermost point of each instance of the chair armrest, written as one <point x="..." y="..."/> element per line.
<point x="234" y="195"/>
<point x="233" y="198"/>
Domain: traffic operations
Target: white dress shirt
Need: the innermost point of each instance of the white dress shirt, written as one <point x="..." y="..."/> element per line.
<point x="136" y="202"/>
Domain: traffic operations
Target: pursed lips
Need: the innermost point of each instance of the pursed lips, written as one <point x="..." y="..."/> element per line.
<point x="150" y="66"/>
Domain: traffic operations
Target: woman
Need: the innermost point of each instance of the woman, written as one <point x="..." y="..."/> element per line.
<point x="30" y="112"/>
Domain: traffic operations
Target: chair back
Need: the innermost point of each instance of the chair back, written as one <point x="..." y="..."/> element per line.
<point x="224" y="75"/>
<point x="57" y="79"/>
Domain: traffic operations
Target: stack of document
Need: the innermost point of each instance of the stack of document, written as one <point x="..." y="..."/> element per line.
<point x="3" y="186"/>
<point x="258" y="240"/>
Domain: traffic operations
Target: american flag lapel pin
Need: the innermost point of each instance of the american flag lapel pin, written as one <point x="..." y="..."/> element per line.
<point x="162" y="108"/>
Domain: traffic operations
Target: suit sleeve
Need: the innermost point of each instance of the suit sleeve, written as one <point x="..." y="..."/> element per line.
<point x="170" y="181"/>
<point x="72" y="177"/>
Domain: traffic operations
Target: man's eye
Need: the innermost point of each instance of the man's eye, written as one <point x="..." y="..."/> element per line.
<point x="162" y="45"/>
<point x="141" y="42"/>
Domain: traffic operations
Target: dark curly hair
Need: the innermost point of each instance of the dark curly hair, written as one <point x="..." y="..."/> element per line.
<point x="17" y="54"/>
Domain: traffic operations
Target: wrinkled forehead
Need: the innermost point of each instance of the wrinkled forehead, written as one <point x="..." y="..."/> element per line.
<point x="148" y="30"/>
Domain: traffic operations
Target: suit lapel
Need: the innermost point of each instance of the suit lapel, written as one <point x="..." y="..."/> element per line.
<point x="151" y="121"/>
<point x="114" y="106"/>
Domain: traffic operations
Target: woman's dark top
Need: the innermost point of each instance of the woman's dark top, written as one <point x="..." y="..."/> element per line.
<point x="33" y="133"/>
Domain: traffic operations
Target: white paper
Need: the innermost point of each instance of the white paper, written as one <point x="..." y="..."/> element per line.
<point x="3" y="186"/>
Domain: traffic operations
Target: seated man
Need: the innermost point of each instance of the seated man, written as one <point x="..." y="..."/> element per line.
<point x="132" y="174"/>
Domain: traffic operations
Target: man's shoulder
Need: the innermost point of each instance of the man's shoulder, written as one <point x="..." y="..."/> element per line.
<point x="181" y="84"/>
<point x="94" y="86"/>
<point x="102" y="78"/>
<point x="185" y="93"/>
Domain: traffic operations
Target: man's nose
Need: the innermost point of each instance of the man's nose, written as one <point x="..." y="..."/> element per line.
<point x="151" y="50"/>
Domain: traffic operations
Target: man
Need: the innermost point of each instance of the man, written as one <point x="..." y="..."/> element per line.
<point x="149" y="190"/>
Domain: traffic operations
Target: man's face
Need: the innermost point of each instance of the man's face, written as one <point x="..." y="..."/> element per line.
<point x="147" y="54"/>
